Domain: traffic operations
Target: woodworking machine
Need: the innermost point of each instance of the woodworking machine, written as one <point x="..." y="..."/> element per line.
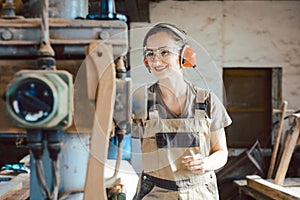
<point x="52" y="58"/>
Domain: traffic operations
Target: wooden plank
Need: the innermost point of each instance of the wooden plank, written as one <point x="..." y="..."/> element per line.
<point x="254" y="194"/>
<point x="24" y="192"/>
<point x="289" y="146"/>
<point x="270" y="189"/>
<point x="16" y="188"/>
<point x="280" y="111"/>
<point x="241" y="109"/>
<point x="277" y="141"/>
<point x="293" y="184"/>
<point x="245" y="190"/>
<point x="9" y="188"/>
<point x="102" y="59"/>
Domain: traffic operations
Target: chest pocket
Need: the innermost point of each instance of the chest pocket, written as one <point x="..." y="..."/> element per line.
<point x="178" y="140"/>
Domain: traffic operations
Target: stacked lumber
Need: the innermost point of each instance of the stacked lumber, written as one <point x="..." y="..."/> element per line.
<point x="16" y="187"/>
<point x="272" y="190"/>
<point x="281" y="187"/>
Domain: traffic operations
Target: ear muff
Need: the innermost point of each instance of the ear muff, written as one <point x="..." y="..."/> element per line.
<point x="188" y="57"/>
<point x="147" y="65"/>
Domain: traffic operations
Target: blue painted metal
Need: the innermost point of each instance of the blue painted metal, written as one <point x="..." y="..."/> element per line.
<point x="73" y="165"/>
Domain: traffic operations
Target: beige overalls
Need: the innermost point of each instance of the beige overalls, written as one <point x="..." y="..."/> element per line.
<point x="164" y="143"/>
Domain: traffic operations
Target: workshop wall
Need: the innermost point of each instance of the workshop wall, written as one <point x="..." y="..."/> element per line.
<point x="236" y="34"/>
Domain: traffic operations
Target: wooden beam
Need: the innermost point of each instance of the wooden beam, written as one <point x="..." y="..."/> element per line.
<point x="9" y="188"/>
<point x="101" y="58"/>
<point x="270" y="189"/>
<point x="24" y="192"/>
<point x="243" y="190"/>
<point x="16" y="188"/>
<point x="292" y="136"/>
<point x="277" y="141"/>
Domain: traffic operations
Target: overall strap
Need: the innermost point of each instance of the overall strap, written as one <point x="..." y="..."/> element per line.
<point x="201" y="113"/>
<point x="201" y="99"/>
<point x="152" y="112"/>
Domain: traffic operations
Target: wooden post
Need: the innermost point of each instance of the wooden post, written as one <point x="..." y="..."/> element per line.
<point x="277" y="141"/>
<point x="289" y="146"/>
<point x="101" y="58"/>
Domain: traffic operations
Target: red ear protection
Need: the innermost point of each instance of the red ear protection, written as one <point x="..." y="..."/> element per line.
<point x="146" y="64"/>
<point x="188" y="57"/>
<point x="145" y="61"/>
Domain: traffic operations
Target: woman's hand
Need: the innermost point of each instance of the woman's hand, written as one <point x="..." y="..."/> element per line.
<point x="195" y="163"/>
<point x="198" y="164"/>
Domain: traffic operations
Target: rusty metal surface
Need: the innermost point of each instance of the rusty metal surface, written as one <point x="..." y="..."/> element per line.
<point x="19" y="46"/>
<point x="21" y="37"/>
<point x="67" y="9"/>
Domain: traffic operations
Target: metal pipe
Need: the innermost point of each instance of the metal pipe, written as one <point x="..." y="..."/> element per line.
<point x="107" y="8"/>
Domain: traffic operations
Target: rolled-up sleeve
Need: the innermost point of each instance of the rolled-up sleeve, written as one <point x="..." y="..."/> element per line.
<point x="219" y="116"/>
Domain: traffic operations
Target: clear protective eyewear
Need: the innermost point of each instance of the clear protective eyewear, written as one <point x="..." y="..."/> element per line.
<point x="161" y="53"/>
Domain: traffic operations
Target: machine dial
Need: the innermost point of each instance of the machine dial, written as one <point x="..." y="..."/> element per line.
<point x="32" y="100"/>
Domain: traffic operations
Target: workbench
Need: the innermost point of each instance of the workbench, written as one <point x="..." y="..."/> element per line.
<point x="265" y="189"/>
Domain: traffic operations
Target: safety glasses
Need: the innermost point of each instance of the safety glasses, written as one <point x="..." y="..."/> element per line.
<point x="162" y="53"/>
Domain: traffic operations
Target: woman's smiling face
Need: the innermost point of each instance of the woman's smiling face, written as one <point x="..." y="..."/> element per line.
<point x="162" y="54"/>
